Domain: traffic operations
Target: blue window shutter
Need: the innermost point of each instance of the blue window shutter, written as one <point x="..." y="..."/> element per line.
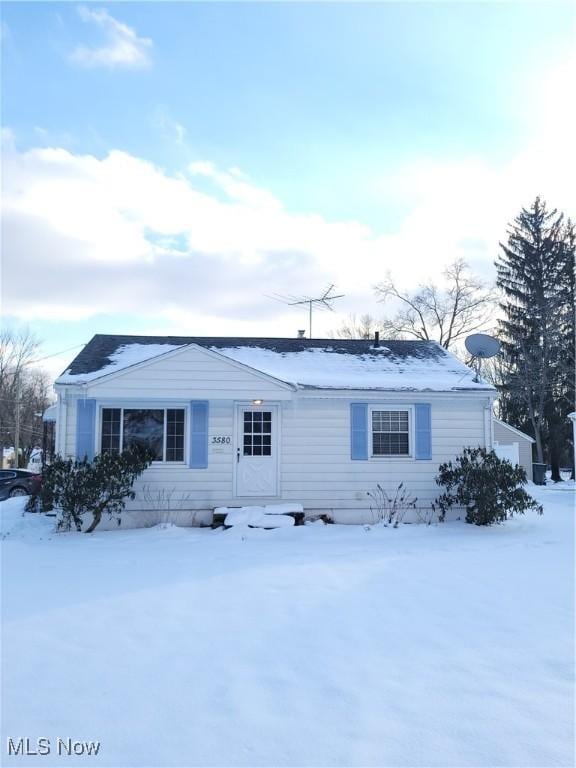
<point x="85" y="426"/>
<point x="423" y="431"/>
<point x="359" y="431"/>
<point x="198" y="434"/>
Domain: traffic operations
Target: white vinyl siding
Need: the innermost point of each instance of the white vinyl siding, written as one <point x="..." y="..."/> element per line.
<point x="315" y="468"/>
<point x="194" y="489"/>
<point x="316" y="463"/>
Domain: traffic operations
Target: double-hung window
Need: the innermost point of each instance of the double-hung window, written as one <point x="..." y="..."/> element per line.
<point x="390" y="432"/>
<point x="160" y="429"/>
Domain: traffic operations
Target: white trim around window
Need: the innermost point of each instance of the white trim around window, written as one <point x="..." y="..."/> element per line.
<point x="409" y="409"/>
<point x="179" y="406"/>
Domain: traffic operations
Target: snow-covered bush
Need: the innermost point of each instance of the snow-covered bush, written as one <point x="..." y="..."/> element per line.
<point x="488" y="487"/>
<point x="388" y="509"/>
<point x="83" y="487"/>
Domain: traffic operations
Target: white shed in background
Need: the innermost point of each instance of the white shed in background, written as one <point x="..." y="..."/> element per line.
<point x="511" y="444"/>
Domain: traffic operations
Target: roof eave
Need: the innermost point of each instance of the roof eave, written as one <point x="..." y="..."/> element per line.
<point x="399" y="390"/>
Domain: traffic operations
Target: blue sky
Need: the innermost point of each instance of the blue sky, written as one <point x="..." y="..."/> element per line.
<point x="324" y="139"/>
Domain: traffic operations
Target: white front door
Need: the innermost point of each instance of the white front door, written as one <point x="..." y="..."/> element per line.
<point x="257" y="451"/>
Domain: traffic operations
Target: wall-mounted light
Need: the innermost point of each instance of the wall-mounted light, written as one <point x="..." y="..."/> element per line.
<point x="257" y="402"/>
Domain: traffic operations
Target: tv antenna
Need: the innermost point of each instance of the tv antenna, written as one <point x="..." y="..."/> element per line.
<point x="481" y="346"/>
<point x="323" y="302"/>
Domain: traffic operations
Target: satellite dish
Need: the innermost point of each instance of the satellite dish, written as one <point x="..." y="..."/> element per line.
<point x="482" y="346"/>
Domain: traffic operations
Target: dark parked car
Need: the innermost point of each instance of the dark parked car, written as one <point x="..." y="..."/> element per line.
<point x="18" y="482"/>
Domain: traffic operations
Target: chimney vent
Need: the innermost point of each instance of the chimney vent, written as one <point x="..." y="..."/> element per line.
<point x="376" y="338"/>
<point x="301" y="334"/>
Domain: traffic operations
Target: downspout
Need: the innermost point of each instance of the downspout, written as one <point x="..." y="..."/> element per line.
<point x="62" y="422"/>
<point x="58" y="425"/>
<point x="488" y="426"/>
<point x="492" y="399"/>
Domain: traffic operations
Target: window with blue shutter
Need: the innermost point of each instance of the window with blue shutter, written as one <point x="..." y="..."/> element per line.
<point x="198" y="434"/>
<point x="359" y="431"/>
<point x="85" y="426"/>
<point x="423" y="431"/>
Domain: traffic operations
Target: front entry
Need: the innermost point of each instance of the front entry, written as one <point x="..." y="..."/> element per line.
<point x="257" y="451"/>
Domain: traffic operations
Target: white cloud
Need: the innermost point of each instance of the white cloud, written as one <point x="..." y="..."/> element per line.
<point x="127" y="236"/>
<point x="237" y="187"/>
<point x="462" y="208"/>
<point x="122" y="46"/>
<point x="118" y="235"/>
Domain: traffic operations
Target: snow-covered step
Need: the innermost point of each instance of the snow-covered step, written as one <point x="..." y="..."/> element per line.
<point x="284" y="509"/>
<point x="256" y="518"/>
<point x="267" y="516"/>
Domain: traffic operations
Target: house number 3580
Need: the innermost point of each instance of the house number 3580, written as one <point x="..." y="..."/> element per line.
<point x="221" y="440"/>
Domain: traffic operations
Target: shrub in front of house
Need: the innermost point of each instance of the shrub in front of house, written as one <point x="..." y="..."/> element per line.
<point x="77" y="488"/>
<point x="489" y="488"/>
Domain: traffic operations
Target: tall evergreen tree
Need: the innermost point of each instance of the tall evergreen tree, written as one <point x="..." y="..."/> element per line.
<point x="536" y="277"/>
<point x="559" y="429"/>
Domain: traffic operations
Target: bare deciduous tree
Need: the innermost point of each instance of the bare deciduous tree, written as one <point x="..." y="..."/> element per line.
<point x="354" y="327"/>
<point x="18" y="380"/>
<point x="432" y="313"/>
<point x="494" y="370"/>
<point x="17" y="348"/>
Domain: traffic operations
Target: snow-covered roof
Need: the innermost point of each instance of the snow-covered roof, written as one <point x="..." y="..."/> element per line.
<point x="394" y="365"/>
<point x="378" y="368"/>
<point x="51" y="413"/>
<point x="125" y="356"/>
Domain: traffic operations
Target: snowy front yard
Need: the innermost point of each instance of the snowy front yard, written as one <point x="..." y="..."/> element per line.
<point x="310" y="646"/>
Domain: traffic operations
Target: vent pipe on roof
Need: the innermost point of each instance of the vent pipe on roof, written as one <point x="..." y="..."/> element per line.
<point x="301" y="334"/>
<point x="376" y="338"/>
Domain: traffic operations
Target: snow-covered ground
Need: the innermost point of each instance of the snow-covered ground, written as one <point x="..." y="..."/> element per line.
<point x="306" y="646"/>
